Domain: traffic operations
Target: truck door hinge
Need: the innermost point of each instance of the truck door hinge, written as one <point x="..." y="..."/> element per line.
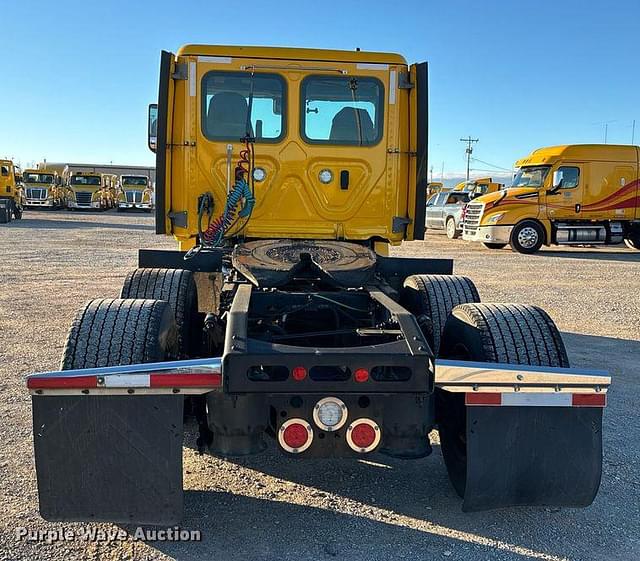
<point x="181" y="72"/>
<point x="398" y="151"/>
<point x="404" y="81"/>
<point x="178" y="218"/>
<point x="399" y="224"/>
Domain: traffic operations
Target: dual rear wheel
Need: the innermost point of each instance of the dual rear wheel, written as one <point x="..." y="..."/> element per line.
<point x="459" y="327"/>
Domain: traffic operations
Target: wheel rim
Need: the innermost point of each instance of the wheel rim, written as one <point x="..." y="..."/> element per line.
<point x="528" y="237"/>
<point x="451" y="228"/>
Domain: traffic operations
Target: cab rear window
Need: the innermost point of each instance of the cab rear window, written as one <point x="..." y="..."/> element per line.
<point x="342" y="110"/>
<point x="226" y="97"/>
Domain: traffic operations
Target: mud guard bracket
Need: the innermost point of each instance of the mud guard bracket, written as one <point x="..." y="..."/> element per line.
<point x="115" y="458"/>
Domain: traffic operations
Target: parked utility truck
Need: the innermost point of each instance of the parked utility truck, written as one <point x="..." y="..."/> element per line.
<point x="285" y="174"/>
<point x="563" y="195"/>
<point x="43" y="188"/>
<point x="135" y="193"/>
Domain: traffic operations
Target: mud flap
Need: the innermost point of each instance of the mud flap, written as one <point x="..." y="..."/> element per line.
<point x="523" y="456"/>
<point x="109" y="458"/>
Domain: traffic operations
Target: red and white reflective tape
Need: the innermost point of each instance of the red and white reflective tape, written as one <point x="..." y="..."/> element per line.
<point x="193" y="376"/>
<point x="535" y="399"/>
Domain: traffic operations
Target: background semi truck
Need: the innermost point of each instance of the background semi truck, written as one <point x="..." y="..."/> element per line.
<point x="285" y="174"/>
<point x="563" y="195"/>
<point x="135" y="193"/>
<point x="43" y="189"/>
<point x="11" y="192"/>
<point x="84" y="190"/>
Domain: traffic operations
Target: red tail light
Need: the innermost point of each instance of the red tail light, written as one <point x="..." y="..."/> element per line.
<point x="295" y="435"/>
<point x="299" y="373"/>
<point x="361" y="375"/>
<point x="363" y="435"/>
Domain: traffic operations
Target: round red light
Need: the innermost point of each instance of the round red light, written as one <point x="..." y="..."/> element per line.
<point x="363" y="435"/>
<point x="361" y="375"/>
<point x="295" y="435"/>
<point x="299" y="373"/>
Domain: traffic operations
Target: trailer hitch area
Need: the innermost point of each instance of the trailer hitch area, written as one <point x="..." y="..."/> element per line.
<point x="514" y="435"/>
<point x="108" y="441"/>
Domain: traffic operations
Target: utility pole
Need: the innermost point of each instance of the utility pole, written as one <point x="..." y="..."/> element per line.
<point x="431" y="170"/>
<point x="606" y="129"/>
<point x="633" y="131"/>
<point x="469" y="150"/>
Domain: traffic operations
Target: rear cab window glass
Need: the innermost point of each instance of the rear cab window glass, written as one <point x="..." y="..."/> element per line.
<point x="345" y="110"/>
<point x="225" y="104"/>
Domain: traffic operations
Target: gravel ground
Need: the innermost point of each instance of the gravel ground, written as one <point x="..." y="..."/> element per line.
<point x="266" y="507"/>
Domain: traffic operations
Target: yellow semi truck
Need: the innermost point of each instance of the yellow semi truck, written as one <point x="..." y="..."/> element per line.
<point x="43" y="189"/>
<point x="480" y="186"/>
<point x="85" y="190"/>
<point x="285" y="174"/>
<point x="563" y="195"/>
<point x="135" y="193"/>
<point x="11" y="192"/>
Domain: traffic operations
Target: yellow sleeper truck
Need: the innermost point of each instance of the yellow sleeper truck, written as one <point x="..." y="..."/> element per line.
<point x="286" y="173"/>
<point x="563" y="195"/>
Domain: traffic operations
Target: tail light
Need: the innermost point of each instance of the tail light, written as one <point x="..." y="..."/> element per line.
<point x="295" y="435"/>
<point x="363" y="435"/>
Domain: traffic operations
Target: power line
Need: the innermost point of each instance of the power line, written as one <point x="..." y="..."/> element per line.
<point x="491" y="165"/>
<point x="469" y="150"/>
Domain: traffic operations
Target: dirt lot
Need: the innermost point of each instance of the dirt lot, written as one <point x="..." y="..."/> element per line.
<point x="266" y="507"/>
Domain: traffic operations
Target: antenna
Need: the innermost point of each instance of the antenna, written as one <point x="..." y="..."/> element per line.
<point x="469" y="150"/>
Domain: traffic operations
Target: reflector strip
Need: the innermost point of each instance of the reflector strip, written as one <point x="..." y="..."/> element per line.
<point x="186" y="380"/>
<point x="126" y="381"/>
<point x="483" y="399"/>
<point x="189" y="376"/>
<point x="589" y="400"/>
<point x="539" y="399"/>
<point x="71" y="382"/>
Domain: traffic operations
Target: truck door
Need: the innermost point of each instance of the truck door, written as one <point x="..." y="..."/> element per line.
<point x="564" y="202"/>
<point x="164" y="131"/>
<point x="418" y="129"/>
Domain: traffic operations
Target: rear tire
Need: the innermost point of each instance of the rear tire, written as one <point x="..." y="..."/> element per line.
<point x="494" y="245"/>
<point x="112" y="332"/>
<point x="452" y="232"/>
<point x="527" y="237"/>
<point x="177" y="287"/>
<point x="432" y="297"/>
<point x="503" y="333"/>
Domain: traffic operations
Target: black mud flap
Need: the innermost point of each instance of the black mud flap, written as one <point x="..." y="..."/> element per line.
<point x="109" y="458"/>
<point x="523" y="456"/>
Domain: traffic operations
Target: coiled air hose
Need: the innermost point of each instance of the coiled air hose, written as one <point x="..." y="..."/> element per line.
<point x="239" y="204"/>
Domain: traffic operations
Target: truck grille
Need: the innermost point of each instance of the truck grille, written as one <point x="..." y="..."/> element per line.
<point x="134" y="196"/>
<point x="83" y="197"/>
<point x="36" y="193"/>
<point x="472" y="216"/>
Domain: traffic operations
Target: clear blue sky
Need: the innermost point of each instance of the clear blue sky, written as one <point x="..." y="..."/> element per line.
<point x="76" y="76"/>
